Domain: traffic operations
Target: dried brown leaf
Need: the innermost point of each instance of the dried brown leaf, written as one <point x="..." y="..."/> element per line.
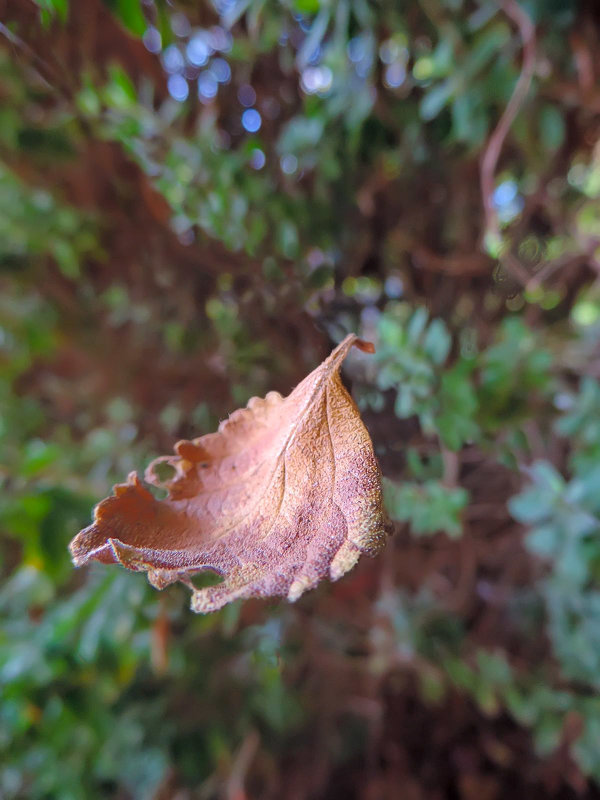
<point x="285" y="493"/>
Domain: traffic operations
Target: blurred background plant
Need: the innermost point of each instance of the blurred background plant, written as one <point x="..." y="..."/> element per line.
<point x="196" y="202"/>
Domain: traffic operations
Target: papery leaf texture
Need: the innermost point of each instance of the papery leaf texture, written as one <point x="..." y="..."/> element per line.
<point x="285" y="493"/>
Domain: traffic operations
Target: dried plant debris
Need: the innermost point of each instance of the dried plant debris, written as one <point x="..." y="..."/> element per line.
<point x="285" y="493"/>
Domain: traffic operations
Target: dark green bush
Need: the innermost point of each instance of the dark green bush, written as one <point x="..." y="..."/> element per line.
<point x="163" y="258"/>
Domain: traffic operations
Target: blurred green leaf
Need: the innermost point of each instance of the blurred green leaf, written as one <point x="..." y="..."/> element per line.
<point x="130" y="14"/>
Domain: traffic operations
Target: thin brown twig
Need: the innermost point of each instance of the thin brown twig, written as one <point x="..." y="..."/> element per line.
<point x="493" y="148"/>
<point x="40" y="67"/>
<point x="568" y="260"/>
<point x="234" y="787"/>
<point x="48" y="73"/>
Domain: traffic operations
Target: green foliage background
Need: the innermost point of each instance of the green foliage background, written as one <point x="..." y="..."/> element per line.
<point x="164" y="257"/>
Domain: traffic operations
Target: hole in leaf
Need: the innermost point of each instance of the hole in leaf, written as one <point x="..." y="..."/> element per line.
<point x="158" y="492"/>
<point x="164" y="471"/>
<point x="205" y="578"/>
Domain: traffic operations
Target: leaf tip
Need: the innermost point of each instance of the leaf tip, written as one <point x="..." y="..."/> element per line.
<point x="366" y="347"/>
<point x="344" y="560"/>
<point x="299" y="586"/>
<point x="344" y="347"/>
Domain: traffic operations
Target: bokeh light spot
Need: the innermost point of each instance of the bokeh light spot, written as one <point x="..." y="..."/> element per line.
<point x="393" y="286"/>
<point x="257" y="159"/>
<point x="178" y="88"/>
<point x="220" y="39"/>
<point x="423" y="68"/>
<point x="394" y="75"/>
<point x="357" y="49"/>
<point x="152" y="40"/>
<point x="221" y="70"/>
<point x="172" y="59"/>
<point x="180" y="25"/>
<point x="251" y="120"/>
<point x="316" y="79"/>
<point x="198" y="51"/>
<point x="289" y="164"/>
<point x="505" y="193"/>
<point x="207" y="86"/>
<point x="246" y="95"/>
